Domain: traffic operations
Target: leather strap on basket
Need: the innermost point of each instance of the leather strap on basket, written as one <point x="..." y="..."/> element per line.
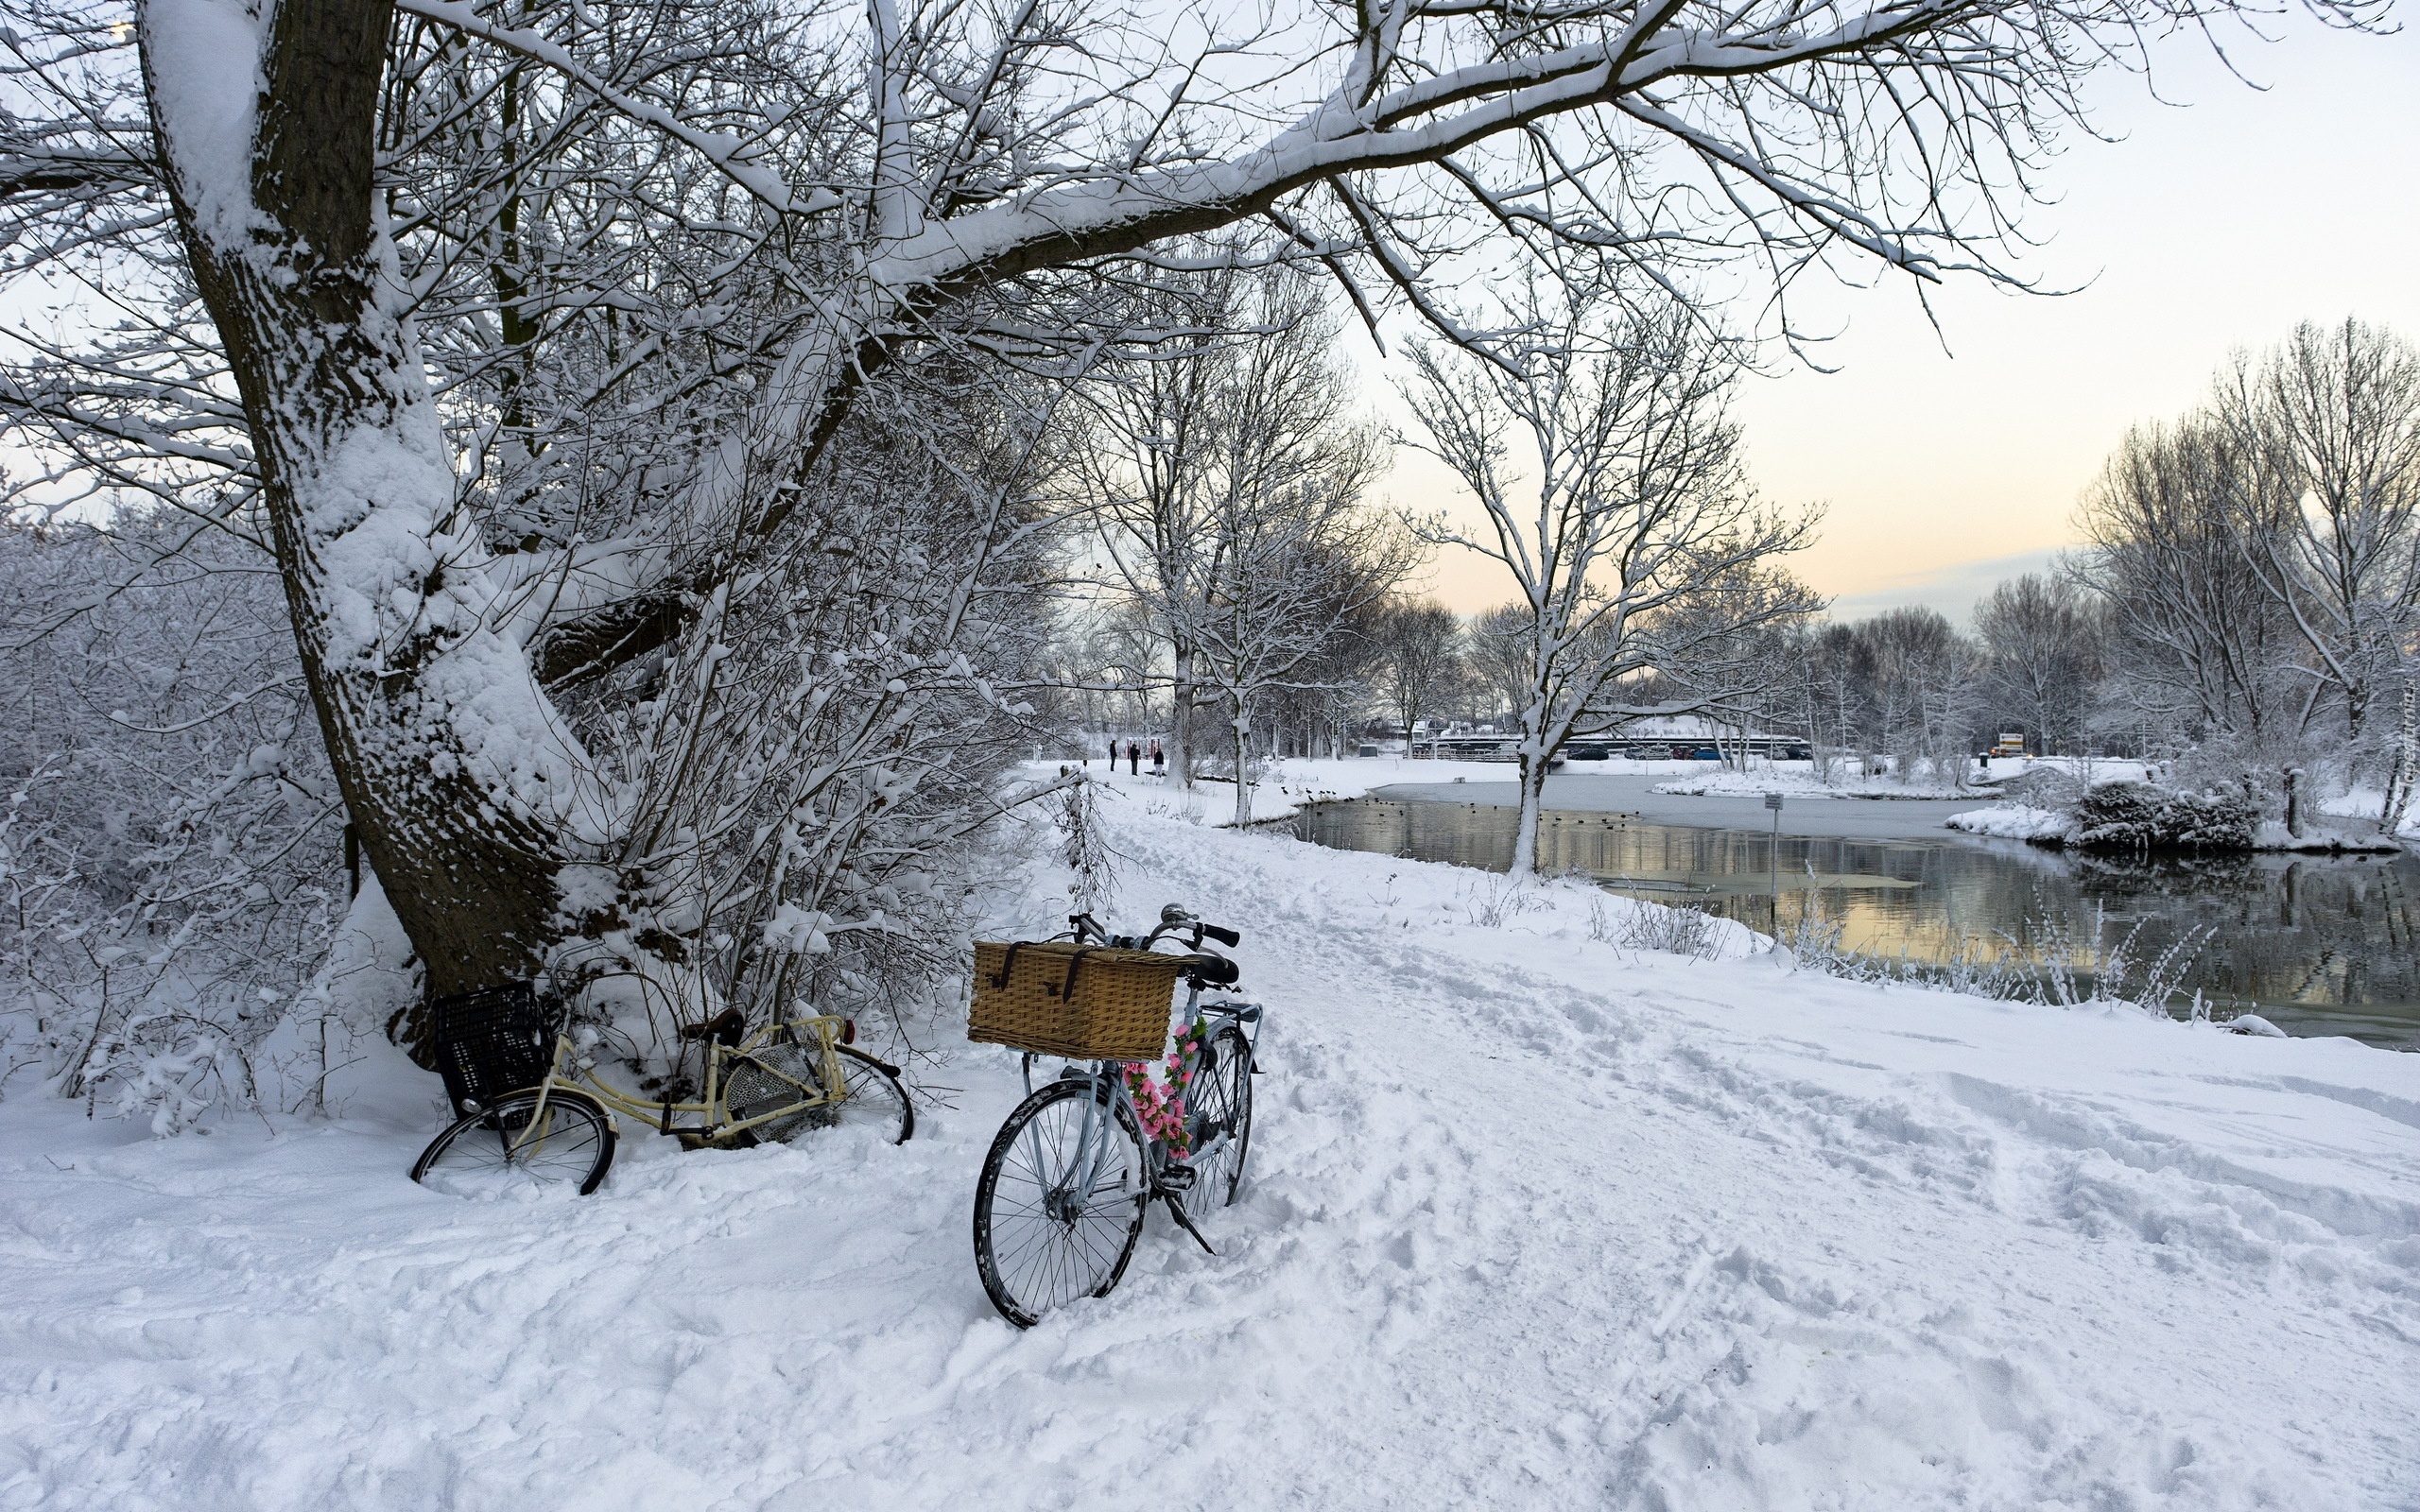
<point x="1066" y="991"/>
<point x="1008" y="965"/>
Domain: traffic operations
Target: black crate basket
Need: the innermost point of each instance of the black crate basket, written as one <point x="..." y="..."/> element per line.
<point x="492" y="1042"/>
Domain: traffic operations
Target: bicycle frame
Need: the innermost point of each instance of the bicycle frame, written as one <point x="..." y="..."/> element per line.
<point x="1093" y="1138"/>
<point x="582" y="1077"/>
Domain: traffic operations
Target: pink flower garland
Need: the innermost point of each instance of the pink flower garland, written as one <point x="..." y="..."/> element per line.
<point x="1160" y="1106"/>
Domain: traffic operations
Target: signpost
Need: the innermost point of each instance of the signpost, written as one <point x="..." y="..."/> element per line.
<point x="1772" y="862"/>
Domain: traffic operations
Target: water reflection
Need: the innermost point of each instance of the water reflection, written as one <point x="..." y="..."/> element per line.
<point x="2318" y="945"/>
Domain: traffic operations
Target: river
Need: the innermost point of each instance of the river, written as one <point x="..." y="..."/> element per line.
<point x="2317" y="945"/>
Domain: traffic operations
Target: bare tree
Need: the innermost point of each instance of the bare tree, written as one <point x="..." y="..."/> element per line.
<point x="1725" y="649"/>
<point x="1419" y="658"/>
<point x="520" y="340"/>
<point x="1626" y="504"/>
<point x="2043" y="636"/>
<point x="2333" y="417"/>
<point x="1228" y="474"/>
<point x="1499" y="659"/>
<point x="2175" y="525"/>
<point x="1925" y="690"/>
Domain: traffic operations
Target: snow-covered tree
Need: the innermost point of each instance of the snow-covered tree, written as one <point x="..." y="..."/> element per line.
<point x="2042" y="638"/>
<point x="1419" y="645"/>
<point x="1608" y="472"/>
<point x="1228" y="474"/>
<point x="2333" y="417"/>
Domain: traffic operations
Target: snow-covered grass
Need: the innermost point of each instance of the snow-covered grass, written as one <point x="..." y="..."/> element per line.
<point x="1533" y="1221"/>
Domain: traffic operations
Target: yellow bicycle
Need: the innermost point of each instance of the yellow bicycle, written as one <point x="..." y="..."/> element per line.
<point x="775" y="1084"/>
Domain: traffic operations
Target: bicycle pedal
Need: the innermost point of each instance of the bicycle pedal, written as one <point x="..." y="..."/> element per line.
<point x="1179" y="1177"/>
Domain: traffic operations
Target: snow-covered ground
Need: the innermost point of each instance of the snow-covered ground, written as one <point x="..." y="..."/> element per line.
<point x="1531" y="1223"/>
<point x="2013" y="821"/>
<point x="1284" y="786"/>
<point x="1799" y="779"/>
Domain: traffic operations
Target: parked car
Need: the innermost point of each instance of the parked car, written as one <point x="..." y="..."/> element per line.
<point x="1588" y="753"/>
<point x="1705" y="753"/>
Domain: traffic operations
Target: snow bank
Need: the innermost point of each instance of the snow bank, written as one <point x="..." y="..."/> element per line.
<point x="2328" y="839"/>
<point x="2013" y="821"/>
<point x="1285" y="786"/>
<point x="1797" y="781"/>
<point x="1531" y="1223"/>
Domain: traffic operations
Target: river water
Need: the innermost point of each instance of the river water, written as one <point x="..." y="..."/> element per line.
<point x="2319" y="946"/>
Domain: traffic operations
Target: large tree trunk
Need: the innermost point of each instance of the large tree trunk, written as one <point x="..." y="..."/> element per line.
<point x="1525" y="839"/>
<point x="460" y="777"/>
<point x="1242" y="733"/>
<point x="1180" y="748"/>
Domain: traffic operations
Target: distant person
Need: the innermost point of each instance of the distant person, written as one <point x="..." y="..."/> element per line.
<point x="1134" y="759"/>
<point x="1159" y="761"/>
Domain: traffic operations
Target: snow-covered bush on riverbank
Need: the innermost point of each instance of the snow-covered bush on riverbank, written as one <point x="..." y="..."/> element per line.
<point x="2144" y="816"/>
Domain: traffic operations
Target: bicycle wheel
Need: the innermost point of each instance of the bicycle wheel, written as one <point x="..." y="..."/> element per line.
<point x="514" y="1147"/>
<point x="777" y="1074"/>
<point x="875" y="1100"/>
<point x="1221" y="1103"/>
<point x="1043" y="1234"/>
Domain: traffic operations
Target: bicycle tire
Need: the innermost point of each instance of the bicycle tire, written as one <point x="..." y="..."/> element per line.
<point x="1220" y="1101"/>
<point x="1034" y="1253"/>
<point x="492" y="1154"/>
<point x="773" y="1075"/>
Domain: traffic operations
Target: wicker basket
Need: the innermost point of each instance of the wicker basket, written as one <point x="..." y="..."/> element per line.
<point x="1083" y="1002"/>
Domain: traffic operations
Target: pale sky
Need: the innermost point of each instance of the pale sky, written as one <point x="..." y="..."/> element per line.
<point x="2213" y="224"/>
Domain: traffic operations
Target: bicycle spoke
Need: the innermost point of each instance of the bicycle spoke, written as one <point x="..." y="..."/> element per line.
<point x="1042" y="1243"/>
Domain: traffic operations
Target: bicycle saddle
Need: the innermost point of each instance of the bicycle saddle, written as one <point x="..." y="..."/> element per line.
<point x="726" y="1028"/>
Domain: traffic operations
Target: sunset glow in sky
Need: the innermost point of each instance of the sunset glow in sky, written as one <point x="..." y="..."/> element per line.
<point x="2212" y="223"/>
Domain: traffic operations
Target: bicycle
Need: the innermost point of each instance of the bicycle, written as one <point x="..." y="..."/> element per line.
<point x="784" y="1079"/>
<point x="1071" y="1175"/>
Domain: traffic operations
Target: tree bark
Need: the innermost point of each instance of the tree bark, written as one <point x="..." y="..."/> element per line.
<point x="1242" y="731"/>
<point x="442" y="745"/>
<point x="1180" y="719"/>
<point x="1524" y="840"/>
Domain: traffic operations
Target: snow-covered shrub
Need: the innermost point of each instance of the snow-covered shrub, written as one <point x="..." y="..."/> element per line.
<point x="799" y="789"/>
<point x="170" y="852"/>
<point x="1083" y="848"/>
<point x="2142" y="817"/>
<point x="1644" y="927"/>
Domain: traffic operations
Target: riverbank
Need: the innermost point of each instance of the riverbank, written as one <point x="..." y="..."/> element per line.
<point x="1637" y="794"/>
<point x="1285" y="786"/>
<point x="1533" y="1222"/>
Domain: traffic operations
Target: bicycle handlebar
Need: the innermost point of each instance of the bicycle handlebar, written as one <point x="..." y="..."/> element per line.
<point x="1212" y="971"/>
<point x="1173" y="920"/>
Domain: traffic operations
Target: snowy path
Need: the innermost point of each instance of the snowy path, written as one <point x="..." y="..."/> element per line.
<point x="1531" y="1225"/>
